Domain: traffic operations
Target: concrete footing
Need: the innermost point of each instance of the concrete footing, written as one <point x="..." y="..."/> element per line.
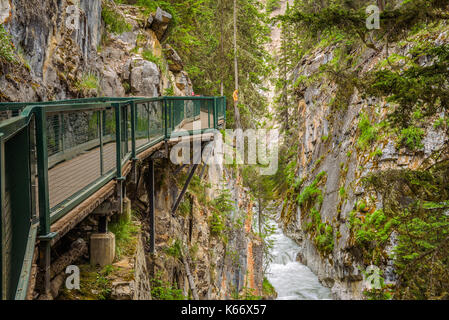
<point x="102" y="249"/>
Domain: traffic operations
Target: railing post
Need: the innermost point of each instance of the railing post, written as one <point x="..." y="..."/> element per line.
<point x="133" y="130"/>
<point x="224" y="111"/>
<point x="148" y="121"/>
<point x="45" y="235"/>
<point x="208" y="114"/>
<point x="3" y="276"/>
<point x="42" y="168"/>
<point x="215" y="114"/>
<point x="100" y="132"/>
<point x="118" y="138"/>
<point x="172" y="116"/>
<point x="166" y="118"/>
<point x="62" y="138"/>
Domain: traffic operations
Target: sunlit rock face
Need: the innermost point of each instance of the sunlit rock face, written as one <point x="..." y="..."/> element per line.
<point x="60" y="45"/>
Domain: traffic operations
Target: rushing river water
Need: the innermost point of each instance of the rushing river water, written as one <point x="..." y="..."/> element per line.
<point x="291" y="279"/>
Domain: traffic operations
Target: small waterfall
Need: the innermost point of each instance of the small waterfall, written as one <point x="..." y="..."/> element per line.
<point x="291" y="279"/>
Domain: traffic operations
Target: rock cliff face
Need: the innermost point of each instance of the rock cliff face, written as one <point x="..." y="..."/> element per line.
<point x="64" y="50"/>
<point x="221" y="267"/>
<point x="328" y="144"/>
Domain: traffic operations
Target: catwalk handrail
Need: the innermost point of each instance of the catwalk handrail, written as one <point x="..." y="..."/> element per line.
<point x="29" y="126"/>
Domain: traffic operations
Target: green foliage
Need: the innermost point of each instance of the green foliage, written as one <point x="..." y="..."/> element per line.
<point x="415" y="89"/>
<point x="324" y="238"/>
<point x="175" y="250"/>
<point x="322" y="233"/>
<point x="202" y="33"/>
<point x="7" y="52"/>
<point x="376" y="153"/>
<point x="268" y="289"/>
<point x="170" y="91"/>
<point x="196" y="188"/>
<point x="125" y="232"/>
<point x="382" y="293"/>
<point x="222" y="206"/>
<point x="272" y="5"/>
<point x="311" y="193"/>
<point x="149" y="56"/>
<point x="349" y="18"/>
<point x="89" y="81"/>
<point x="421" y="225"/>
<point x="103" y="283"/>
<point x="115" y="22"/>
<point x="439" y="123"/>
<point x="411" y="137"/>
<point x="162" y="290"/>
<point x="342" y="192"/>
<point x="246" y="294"/>
<point x="368" y="132"/>
<point x="185" y="207"/>
<point x="374" y="227"/>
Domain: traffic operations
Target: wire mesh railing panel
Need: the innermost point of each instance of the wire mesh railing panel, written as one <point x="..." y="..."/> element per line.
<point x="220" y="108"/>
<point x="74" y="153"/>
<point x="17" y="209"/>
<point x="190" y="114"/>
<point x="178" y="113"/>
<point x="125" y="123"/>
<point x="109" y="141"/>
<point x="5" y="114"/>
<point x="149" y="122"/>
<point x="129" y="129"/>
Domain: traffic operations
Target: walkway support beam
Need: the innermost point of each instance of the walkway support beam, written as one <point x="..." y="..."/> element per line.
<point x="152" y="206"/>
<point x="184" y="189"/>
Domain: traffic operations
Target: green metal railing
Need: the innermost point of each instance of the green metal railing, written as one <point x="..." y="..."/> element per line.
<point x="54" y="155"/>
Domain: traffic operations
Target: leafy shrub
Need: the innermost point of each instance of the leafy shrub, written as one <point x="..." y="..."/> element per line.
<point x="125" y="236"/>
<point x="7" y="52"/>
<point x="273" y="5"/>
<point x="411" y="137"/>
<point x="88" y="81"/>
<point x="221" y="207"/>
<point x="367" y="132"/>
<point x="267" y="288"/>
<point x="324" y="240"/>
<point x="175" y="249"/>
<point x="162" y="290"/>
<point x="311" y="192"/>
<point x="115" y="22"/>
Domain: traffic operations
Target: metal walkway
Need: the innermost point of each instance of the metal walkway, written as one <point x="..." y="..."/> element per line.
<point x="55" y="155"/>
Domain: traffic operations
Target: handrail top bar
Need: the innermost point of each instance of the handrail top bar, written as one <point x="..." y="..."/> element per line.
<point x="18" y="105"/>
<point x="83" y="104"/>
<point x="11" y="126"/>
<point x="64" y="108"/>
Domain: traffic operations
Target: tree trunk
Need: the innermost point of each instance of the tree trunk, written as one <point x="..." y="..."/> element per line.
<point x="221" y="48"/>
<point x="260" y="217"/>
<point x="186" y="261"/>
<point x="238" y="125"/>
<point x="381" y="5"/>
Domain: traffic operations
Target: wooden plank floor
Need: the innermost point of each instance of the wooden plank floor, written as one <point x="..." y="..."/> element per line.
<point x="69" y="177"/>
